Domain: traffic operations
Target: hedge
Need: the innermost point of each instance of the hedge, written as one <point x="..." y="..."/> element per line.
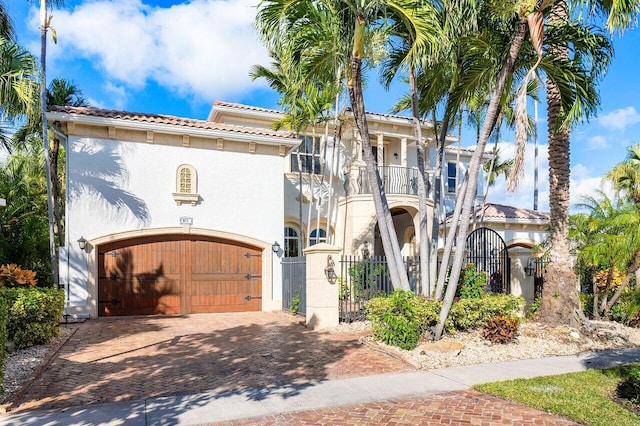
<point x="4" y="315"/>
<point x="33" y="315"/>
<point x="469" y="314"/>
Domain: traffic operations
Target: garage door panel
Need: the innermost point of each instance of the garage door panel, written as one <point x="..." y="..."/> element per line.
<point x="178" y="274"/>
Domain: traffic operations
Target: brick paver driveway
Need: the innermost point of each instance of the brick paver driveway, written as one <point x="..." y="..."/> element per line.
<point x="453" y="408"/>
<point x="115" y="359"/>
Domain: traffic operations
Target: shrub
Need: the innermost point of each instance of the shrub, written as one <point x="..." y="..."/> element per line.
<point x="532" y="312"/>
<point x="13" y="276"/>
<point x="401" y="318"/>
<point x="471" y="284"/>
<point x="295" y="304"/>
<point x="586" y="300"/>
<point x="3" y="337"/>
<point x="629" y="387"/>
<point x="34" y="315"/>
<point x="365" y="278"/>
<point x="501" y="329"/>
<point x="469" y="314"/>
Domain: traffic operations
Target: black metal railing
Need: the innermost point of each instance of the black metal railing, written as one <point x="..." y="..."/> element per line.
<point x="396" y="180"/>
<point x="362" y="279"/>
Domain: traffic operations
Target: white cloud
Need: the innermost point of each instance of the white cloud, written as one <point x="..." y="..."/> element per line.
<point x="583" y="182"/>
<point x="597" y="142"/>
<point x="620" y="119"/>
<point x="201" y="49"/>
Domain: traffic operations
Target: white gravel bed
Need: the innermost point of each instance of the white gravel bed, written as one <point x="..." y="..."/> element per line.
<point x="534" y="341"/>
<point x="21" y="364"/>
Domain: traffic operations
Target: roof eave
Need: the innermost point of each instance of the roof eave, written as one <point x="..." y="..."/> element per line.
<point x="174" y="129"/>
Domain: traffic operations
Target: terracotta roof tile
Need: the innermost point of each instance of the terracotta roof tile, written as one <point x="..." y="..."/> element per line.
<point x="499" y="211"/>
<point x="247" y="107"/>
<point x="169" y="120"/>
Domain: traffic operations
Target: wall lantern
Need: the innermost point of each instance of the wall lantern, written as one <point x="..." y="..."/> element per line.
<point x="275" y="247"/>
<point x="82" y="243"/>
<point x="330" y="271"/>
<point x="530" y="269"/>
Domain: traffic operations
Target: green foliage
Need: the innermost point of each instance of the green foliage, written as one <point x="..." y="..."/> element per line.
<point x="627" y="308"/>
<point x="401" y="318"/>
<point x="532" y="312"/>
<point x="34" y="314"/>
<point x="295" y="304"/>
<point x="472" y="283"/>
<point x="629" y="387"/>
<point x="24" y="232"/>
<point x="469" y="314"/>
<point x="4" y="314"/>
<point x="586" y="300"/>
<point x="501" y="329"/>
<point x="365" y="277"/>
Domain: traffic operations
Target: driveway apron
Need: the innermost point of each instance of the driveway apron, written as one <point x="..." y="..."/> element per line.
<point x="129" y="358"/>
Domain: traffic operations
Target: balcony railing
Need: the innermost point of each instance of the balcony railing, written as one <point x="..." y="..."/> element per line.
<point x="396" y="180"/>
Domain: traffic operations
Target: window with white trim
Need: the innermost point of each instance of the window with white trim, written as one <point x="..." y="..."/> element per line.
<point x="309" y="156"/>
<point x="291" y="242"/>
<point x="315" y="238"/>
<point x="452" y="172"/>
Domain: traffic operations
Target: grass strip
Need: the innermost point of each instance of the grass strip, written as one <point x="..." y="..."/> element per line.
<point x="584" y="397"/>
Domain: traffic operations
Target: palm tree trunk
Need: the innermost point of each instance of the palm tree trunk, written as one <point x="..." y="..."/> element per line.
<point x="560" y="303"/>
<point x="422" y="189"/>
<point x="388" y="235"/>
<point x="45" y="139"/>
<point x="473" y="170"/>
<point x="55" y="189"/>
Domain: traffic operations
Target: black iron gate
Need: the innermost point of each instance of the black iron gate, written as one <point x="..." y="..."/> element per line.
<point x="486" y="249"/>
<point x="294" y="284"/>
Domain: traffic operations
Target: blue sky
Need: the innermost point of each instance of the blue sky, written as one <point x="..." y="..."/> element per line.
<point x="173" y="57"/>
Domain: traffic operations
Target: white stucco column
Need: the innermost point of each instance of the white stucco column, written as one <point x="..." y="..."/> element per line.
<point x="357" y="145"/>
<point x="322" y="292"/>
<point x="380" y="145"/>
<point x="403" y="152"/>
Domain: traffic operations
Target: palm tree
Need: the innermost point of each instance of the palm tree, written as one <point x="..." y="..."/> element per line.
<point x="607" y="238"/>
<point x="18" y="84"/>
<point x="6" y="26"/>
<point x="560" y="297"/>
<point x="353" y="20"/>
<point x="61" y="93"/>
<point x="626" y="175"/>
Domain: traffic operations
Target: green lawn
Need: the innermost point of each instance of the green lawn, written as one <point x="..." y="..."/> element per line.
<point x="583" y="397"/>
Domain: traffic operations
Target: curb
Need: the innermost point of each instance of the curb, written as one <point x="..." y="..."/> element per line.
<point x="390" y="353"/>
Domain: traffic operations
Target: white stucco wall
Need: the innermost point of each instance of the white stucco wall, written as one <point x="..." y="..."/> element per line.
<point x="117" y="186"/>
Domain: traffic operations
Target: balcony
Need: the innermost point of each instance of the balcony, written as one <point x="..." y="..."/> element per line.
<point x="397" y="181"/>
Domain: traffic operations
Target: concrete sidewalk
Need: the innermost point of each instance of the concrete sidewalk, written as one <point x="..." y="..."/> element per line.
<point x="230" y="405"/>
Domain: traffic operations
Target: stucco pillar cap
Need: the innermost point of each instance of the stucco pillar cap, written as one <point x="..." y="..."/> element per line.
<point x="322" y="248"/>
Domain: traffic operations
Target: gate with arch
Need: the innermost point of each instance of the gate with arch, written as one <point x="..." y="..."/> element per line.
<point x="486" y="249"/>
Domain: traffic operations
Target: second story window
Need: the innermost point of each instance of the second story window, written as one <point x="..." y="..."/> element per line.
<point x="451" y="177"/>
<point x="309" y="156"/>
<point x="186" y="185"/>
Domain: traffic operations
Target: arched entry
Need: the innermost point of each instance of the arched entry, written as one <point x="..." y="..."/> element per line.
<point x="402" y="220"/>
<point x="486" y="249"/>
<point x="178" y="274"/>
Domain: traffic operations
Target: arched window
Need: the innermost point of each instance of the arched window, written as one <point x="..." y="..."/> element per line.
<point x="186" y="185"/>
<point x="317" y="238"/>
<point x="291" y="242"/>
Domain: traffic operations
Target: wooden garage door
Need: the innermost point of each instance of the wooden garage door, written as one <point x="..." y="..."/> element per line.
<point x="178" y="274"/>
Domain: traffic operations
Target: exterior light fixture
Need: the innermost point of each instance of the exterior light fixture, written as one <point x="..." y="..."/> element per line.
<point x="330" y="271"/>
<point x="530" y="269"/>
<point x="82" y="243"/>
<point x="275" y="247"/>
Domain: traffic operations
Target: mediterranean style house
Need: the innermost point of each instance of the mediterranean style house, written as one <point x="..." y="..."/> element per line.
<point x="174" y="215"/>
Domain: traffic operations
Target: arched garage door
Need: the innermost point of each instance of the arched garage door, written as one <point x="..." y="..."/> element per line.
<point x="178" y="275"/>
